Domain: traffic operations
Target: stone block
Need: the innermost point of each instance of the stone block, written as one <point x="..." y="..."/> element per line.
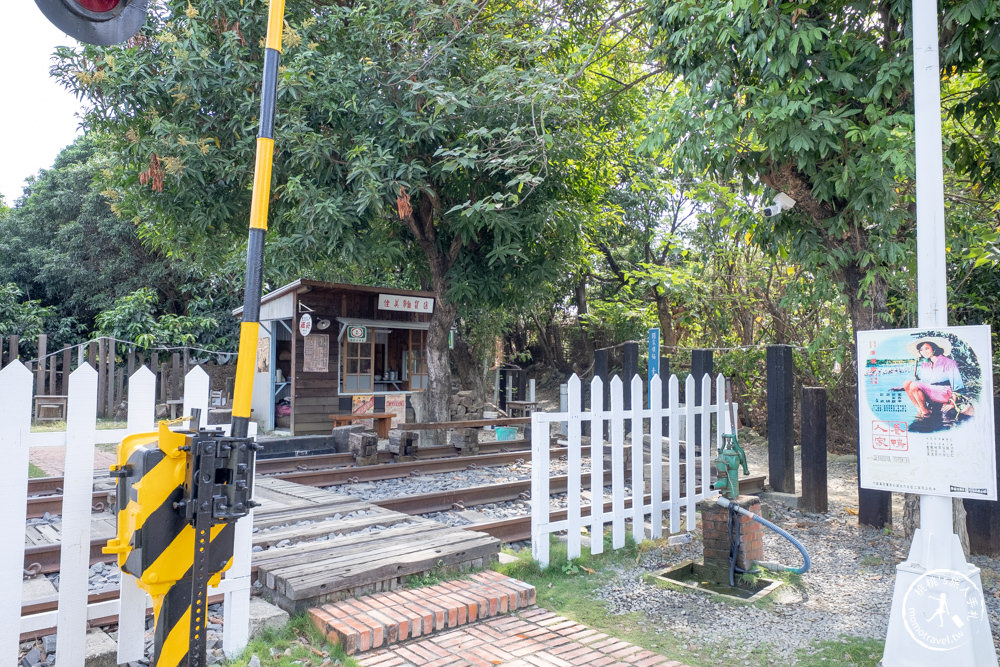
<point x="264" y="615"/>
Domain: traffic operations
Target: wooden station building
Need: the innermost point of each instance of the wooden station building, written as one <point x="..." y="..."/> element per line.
<point x="330" y="348"/>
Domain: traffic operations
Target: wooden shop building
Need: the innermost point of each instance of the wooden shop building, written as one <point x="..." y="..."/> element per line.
<point x="328" y="348"/>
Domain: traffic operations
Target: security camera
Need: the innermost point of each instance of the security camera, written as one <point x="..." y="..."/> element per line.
<point x="782" y="202"/>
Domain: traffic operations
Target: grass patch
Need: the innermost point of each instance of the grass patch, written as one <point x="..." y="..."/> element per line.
<point x="569" y="587"/>
<point x="844" y="651"/>
<point x="34" y="471"/>
<point x="51" y="427"/>
<point x="298" y="642"/>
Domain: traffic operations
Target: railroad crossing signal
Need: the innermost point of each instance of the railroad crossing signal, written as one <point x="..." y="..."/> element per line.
<point x="179" y="494"/>
<point x="101" y="22"/>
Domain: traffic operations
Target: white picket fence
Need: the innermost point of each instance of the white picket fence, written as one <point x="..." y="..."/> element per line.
<point x="80" y="437"/>
<point x="678" y="497"/>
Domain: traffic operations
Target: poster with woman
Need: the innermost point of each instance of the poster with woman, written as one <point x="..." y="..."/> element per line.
<point x="925" y="399"/>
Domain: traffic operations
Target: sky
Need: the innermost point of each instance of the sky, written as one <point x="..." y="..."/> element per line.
<point x="37" y="116"/>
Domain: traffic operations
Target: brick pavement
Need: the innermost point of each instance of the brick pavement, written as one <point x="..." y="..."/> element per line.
<point x="487" y="619"/>
<point x="531" y="637"/>
<point x="53" y="459"/>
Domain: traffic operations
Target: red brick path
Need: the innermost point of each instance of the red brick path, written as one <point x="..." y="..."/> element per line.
<point x="53" y="459"/>
<point x="488" y="619"/>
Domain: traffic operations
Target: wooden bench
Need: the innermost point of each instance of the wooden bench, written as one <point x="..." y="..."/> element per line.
<point x="382" y="421"/>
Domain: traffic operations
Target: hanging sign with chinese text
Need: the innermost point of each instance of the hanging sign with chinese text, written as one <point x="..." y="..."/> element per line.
<point x="925" y="404"/>
<point x="409" y="304"/>
<point x="305" y="324"/>
<point x="357" y="334"/>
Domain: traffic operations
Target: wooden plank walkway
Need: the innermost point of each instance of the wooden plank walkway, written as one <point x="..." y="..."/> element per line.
<point x="367" y="548"/>
<point x="314" y="546"/>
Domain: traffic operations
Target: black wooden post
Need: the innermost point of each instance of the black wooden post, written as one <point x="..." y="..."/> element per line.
<point x="780" y="406"/>
<point x="813" y="430"/>
<point x="601" y="371"/>
<point x="983" y="516"/>
<point x="521" y="389"/>
<point x="702" y="364"/>
<point x="630" y="367"/>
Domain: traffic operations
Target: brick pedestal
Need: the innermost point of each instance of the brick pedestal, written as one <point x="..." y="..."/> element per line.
<point x="715" y="535"/>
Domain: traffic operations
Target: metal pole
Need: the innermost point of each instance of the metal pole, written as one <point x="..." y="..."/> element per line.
<point x="247" y="360"/>
<point x="936" y="552"/>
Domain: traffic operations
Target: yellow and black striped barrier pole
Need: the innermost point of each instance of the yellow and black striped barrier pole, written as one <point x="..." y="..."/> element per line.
<point x="247" y="360"/>
<point x="181" y="492"/>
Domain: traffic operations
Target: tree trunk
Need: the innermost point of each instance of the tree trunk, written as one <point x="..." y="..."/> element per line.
<point x="469" y="367"/>
<point x="437" y="396"/>
<point x="874" y="507"/>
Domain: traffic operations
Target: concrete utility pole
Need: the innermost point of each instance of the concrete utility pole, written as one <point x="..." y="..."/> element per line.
<point x="936" y="564"/>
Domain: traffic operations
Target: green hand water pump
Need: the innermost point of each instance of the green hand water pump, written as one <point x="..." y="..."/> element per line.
<point x="731" y="457"/>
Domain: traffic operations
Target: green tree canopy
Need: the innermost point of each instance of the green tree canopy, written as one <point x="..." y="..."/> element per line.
<point x="435" y="140"/>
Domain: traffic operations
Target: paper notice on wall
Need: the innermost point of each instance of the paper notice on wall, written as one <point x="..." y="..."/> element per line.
<point x="396" y="405"/>
<point x="263" y="354"/>
<point x="316" y="353"/>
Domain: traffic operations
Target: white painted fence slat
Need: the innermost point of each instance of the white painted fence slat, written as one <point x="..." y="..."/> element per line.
<point x="638" y="487"/>
<point x="79" y="438"/>
<point x="683" y="494"/>
<point x="574" y="455"/>
<point x="707" y="472"/>
<point x="74" y="559"/>
<point x="133" y="600"/>
<point x="705" y="437"/>
<point x="540" y="514"/>
<point x="656" y="458"/>
<point x="675" y="455"/>
<point x="596" y="466"/>
<point x="617" y="465"/>
<point x="196" y="386"/>
<point x="15" y="397"/>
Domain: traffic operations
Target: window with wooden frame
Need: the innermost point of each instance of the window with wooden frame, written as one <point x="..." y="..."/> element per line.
<point x="417" y="361"/>
<point x="356" y="367"/>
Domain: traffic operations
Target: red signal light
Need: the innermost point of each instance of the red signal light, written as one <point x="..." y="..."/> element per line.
<point x="98" y="5"/>
<point x="101" y="22"/>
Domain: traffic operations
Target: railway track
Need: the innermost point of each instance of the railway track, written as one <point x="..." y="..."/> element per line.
<point x="45" y="497"/>
<point x="45" y="559"/>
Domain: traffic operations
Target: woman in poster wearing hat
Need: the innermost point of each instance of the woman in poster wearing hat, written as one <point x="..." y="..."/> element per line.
<point x="936" y="376"/>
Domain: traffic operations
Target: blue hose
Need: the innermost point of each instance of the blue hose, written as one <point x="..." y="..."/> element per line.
<point x="774" y="567"/>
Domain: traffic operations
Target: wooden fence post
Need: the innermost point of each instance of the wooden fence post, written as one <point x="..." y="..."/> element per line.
<point x="102" y="378"/>
<point x="813" y="430"/>
<point x="67" y="361"/>
<point x="780" y="405"/>
<point x="15" y="397"/>
<point x="43" y="344"/>
<point x="15" y="348"/>
<point x="109" y="378"/>
<point x="175" y="377"/>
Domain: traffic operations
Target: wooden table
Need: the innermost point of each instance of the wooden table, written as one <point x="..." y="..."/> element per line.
<point x="521" y="408"/>
<point x="175" y="406"/>
<point x="382" y="421"/>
